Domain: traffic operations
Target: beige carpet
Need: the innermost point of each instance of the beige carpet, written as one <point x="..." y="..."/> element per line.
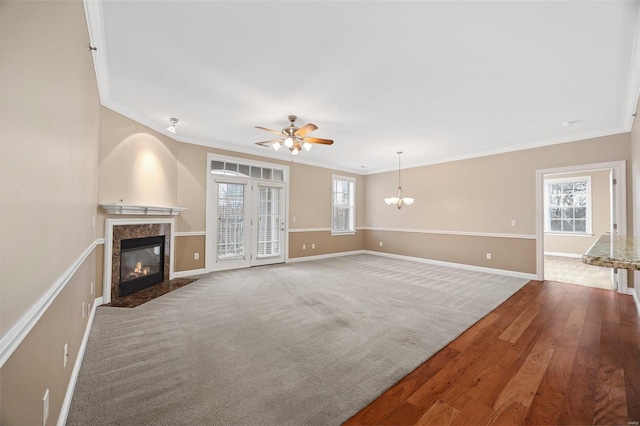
<point x="291" y="344"/>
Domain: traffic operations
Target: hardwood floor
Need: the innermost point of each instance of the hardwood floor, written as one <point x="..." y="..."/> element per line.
<point x="551" y="354"/>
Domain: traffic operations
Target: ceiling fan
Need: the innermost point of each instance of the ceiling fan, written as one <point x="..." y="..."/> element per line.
<point x="294" y="137"/>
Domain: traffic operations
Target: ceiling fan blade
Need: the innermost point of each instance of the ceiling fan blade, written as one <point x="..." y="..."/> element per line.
<point x="268" y="143"/>
<point x="307" y="128"/>
<point x="318" y="140"/>
<point x="269" y="130"/>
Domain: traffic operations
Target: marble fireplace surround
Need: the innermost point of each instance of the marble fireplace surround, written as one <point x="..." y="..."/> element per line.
<point x="119" y="229"/>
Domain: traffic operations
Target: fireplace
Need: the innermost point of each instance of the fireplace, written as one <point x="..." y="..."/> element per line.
<point x="141" y="263"/>
<point x="137" y="255"/>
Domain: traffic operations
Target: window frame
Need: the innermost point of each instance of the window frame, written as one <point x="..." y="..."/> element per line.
<point x="589" y="206"/>
<point x="351" y="206"/>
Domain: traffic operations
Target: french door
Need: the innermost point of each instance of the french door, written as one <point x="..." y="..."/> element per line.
<point x="249" y="227"/>
<point x="268" y="223"/>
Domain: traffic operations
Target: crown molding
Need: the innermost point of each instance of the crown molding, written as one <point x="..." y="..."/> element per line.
<point x="511" y="148"/>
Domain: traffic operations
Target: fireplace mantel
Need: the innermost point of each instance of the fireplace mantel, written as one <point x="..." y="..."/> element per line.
<point x="142" y="210"/>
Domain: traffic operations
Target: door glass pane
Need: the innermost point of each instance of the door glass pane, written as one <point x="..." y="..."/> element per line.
<point x="231" y="226"/>
<point x="268" y="222"/>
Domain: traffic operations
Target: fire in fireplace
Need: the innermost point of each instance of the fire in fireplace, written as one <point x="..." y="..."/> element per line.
<point x="141" y="263"/>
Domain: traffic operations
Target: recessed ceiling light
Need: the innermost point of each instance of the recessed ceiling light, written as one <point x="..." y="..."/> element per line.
<point x="571" y="123"/>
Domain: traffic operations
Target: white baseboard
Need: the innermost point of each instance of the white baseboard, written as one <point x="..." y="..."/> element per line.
<point x="505" y="272"/>
<point x="325" y="256"/>
<point x="19" y="331"/>
<point x="189" y="273"/>
<point x="66" y="404"/>
<point x="634" y="294"/>
<point x="554" y="253"/>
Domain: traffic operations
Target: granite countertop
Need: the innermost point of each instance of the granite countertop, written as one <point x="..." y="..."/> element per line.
<point x="614" y="251"/>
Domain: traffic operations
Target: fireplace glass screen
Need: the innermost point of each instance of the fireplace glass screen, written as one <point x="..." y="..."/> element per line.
<point x="141" y="263"/>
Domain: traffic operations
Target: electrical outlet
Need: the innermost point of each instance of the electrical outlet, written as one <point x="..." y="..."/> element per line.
<point x="380" y="243"/>
<point x="82" y="309"/>
<point x="313" y="246"/>
<point x="304" y="247"/>
<point x="65" y="355"/>
<point x="514" y="222"/>
<point x="92" y="288"/>
<point x="45" y="407"/>
<point x="196" y="256"/>
<point x="294" y="219"/>
<point x="488" y="256"/>
<point x="93" y="221"/>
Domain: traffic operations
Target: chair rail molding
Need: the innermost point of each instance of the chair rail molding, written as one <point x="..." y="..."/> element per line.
<point x="10" y="341"/>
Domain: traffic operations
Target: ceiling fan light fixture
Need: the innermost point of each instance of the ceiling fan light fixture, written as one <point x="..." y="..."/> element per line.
<point x="288" y="142"/>
<point x="294" y="138"/>
<point x="172" y="128"/>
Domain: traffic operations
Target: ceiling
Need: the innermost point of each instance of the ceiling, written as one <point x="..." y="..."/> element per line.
<point x="437" y="80"/>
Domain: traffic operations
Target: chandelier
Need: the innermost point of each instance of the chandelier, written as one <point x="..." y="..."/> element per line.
<point x="399" y="199"/>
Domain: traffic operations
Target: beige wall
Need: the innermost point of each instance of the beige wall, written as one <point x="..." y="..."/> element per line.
<point x="49" y="176"/>
<point x="483" y="195"/>
<point x="131" y="152"/>
<point x="600" y="215"/>
<point x="310" y="197"/>
<point x="37" y="364"/>
<point x="325" y="243"/>
<point x="137" y="164"/>
<point x="464" y="249"/>
<point x="185" y="248"/>
<point x="480" y="195"/>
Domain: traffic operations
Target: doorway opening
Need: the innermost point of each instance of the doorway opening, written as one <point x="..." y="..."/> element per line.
<point x="576" y="206"/>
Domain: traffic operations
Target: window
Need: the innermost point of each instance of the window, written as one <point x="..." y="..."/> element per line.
<point x="343" y="200"/>
<point x="568" y="205"/>
<point x="231" y="168"/>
